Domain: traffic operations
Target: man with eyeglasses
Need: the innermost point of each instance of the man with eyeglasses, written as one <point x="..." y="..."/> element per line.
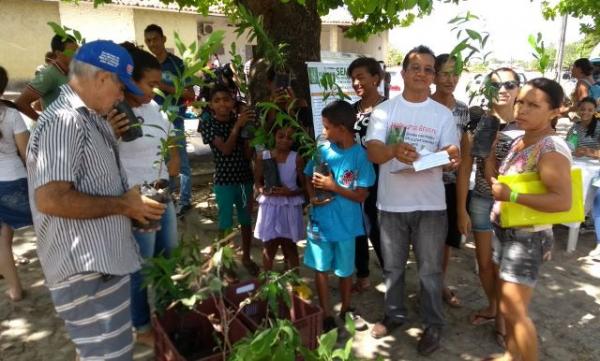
<point x="412" y="205"/>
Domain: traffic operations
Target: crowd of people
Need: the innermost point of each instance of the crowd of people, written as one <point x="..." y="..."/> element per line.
<point x="77" y="181"/>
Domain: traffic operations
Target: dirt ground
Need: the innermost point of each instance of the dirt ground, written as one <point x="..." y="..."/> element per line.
<point x="565" y="308"/>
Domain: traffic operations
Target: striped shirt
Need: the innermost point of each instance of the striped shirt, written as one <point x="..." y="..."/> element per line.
<point x="71" y="143"/>
<point x="586" y="140"/>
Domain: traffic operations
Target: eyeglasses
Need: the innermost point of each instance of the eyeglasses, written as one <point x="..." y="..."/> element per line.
<point x="417" y="69"/>
<point x="508" y="85"/>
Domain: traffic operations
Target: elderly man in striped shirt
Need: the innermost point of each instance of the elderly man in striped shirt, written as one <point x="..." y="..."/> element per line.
<point x="82" y="204"/>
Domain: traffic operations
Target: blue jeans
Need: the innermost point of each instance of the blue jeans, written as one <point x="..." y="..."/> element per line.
<point x="596" y="214"/>
<point x="151" y="244"/>
<point x="185" y="171"/>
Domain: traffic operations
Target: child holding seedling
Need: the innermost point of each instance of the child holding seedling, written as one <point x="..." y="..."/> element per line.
<point x="335" y="224"/>
<point x="220" y="129"/>
<point x="280" y="220"/>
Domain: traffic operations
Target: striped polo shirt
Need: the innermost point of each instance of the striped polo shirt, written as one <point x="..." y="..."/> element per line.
<point x="72" y="143"/>
<point x="585" y="140"/>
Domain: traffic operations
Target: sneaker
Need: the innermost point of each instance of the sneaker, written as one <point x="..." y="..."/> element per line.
<point x="183" y="209"/>
<point x="359" y="323"/>
<point x="430" y="340"/>
<point x="328" y="324"/>
<point x="385" y="327"/>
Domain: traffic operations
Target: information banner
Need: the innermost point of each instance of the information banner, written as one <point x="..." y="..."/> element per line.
<point x="315" y="72"/>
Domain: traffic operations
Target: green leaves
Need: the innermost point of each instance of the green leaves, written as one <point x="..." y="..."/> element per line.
<point x="65" y="33"/>
<point x="279" y="342"/>
<point x="540" y="52"/>
<point x="588" y="9"/>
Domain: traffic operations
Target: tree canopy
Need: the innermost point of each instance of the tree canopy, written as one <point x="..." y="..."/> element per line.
<point x="577" y="9"/>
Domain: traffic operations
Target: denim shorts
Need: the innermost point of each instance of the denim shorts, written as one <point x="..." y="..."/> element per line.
<point x="519" y="254"/>
<point x="479" y="210"/>
<point x="14" y="204"/>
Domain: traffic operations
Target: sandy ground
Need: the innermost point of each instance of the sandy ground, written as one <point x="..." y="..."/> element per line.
<point x="566" y="305"/>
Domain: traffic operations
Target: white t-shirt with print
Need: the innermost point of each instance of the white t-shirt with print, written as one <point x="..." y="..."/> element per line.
<point x="11" y="124"/>
<point x="428" y="125"/>
<point x="139" y="157"/>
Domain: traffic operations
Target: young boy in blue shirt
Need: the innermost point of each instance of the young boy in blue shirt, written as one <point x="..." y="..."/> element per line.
<point x="334" y="226"/>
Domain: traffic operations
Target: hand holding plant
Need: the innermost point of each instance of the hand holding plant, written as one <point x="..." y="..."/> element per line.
<point x="140" y="208"/>
<point x="281" y="191"/>
<point x="244" y="117"/>
<point x="324" y="182"/>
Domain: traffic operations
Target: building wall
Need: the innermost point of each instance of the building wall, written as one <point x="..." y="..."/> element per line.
<point x="25" y="37"/>
<point x="325" y="34"/>
<point x="105" y="22"/>
<point x="375" y="47"/>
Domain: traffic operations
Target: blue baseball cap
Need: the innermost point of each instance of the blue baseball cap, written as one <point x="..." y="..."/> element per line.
<point x="110" y="57"/>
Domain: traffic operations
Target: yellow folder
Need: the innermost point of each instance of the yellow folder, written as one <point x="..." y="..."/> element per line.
<point x="517" y="215"/>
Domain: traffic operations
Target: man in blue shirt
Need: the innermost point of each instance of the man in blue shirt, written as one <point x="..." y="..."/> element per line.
<point x="173" y="66"/>
<point x="334" y="226"/>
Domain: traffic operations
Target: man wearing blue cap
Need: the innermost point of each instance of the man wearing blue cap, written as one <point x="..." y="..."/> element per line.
<point x="82" y="204"/>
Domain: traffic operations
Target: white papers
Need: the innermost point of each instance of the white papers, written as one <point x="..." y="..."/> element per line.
<point x="428" y="160"/>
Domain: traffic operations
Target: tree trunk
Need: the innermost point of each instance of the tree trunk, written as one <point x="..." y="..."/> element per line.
<point x="296" y="25"/>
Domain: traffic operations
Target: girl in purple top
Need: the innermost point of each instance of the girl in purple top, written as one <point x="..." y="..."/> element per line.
<point x="279" y="221"/>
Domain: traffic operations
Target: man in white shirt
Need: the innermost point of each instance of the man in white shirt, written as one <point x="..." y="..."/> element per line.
<point x="412" y="205"/>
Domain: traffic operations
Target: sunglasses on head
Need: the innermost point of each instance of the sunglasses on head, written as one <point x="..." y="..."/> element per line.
<point x="508" y="85"/>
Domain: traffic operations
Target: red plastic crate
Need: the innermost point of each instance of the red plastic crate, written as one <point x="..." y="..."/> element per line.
<point x="307" y="318"/>
<point x="204" y="345"/>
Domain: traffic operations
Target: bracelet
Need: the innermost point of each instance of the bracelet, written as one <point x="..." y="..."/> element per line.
<point x="513" y="196"/>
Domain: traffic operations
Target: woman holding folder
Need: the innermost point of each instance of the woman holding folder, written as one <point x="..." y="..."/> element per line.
<point x="520" y="251"/>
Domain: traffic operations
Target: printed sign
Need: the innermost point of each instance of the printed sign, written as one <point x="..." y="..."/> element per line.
<point x="315" y="72"/>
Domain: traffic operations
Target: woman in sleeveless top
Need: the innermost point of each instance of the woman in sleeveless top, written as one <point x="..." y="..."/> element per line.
<point x="476" y="217"/>
<point x="520" y="251"/>
<point x="582" y="71"/>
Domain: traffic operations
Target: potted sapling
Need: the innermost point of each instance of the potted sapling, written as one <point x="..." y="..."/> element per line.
<point x="472" y="46"/>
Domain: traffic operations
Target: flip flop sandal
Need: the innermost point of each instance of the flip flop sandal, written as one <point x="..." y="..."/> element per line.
<point x="451" y="299"/>
<point x="500" y="339"/>
<point x="479" y="319"/>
